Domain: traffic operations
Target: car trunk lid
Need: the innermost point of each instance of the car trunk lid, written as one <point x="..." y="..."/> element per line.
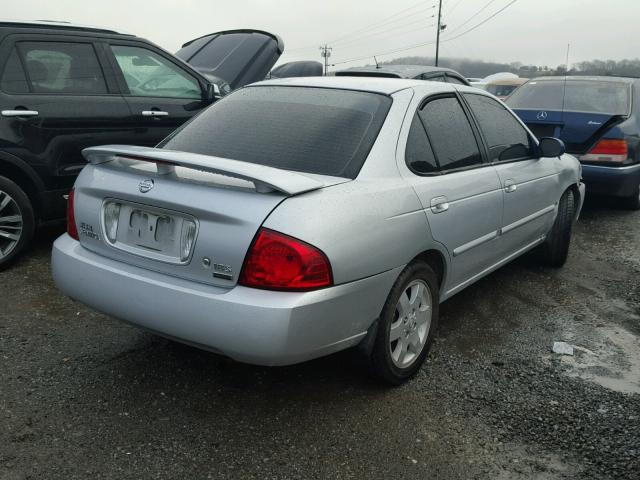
<point x="238" y="57"/>
<point x="579" y="130"/>
<point x="186" y="215"/>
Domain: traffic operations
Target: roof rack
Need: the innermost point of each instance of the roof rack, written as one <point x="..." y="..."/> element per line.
<point x="56" y="24"/>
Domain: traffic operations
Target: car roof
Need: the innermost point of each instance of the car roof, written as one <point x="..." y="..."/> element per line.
<point x="385" y="86"/>
<point x="58" y="25"/>
<point x="402" y="71"/>
<point x="588" y="78"/>
<point x="509" y="81"/>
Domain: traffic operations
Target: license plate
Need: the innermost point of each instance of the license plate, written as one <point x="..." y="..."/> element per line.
<point x="152" y="231"/>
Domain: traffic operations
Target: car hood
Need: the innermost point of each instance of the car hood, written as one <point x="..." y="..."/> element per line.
<point x="238" y="57"/>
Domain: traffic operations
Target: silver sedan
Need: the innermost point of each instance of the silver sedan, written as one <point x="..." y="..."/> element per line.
<point x="299" y="217"/>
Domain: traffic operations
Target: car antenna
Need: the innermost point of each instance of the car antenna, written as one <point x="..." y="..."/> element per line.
<point x="564" y="84"/>
<point x="376" y="60"/>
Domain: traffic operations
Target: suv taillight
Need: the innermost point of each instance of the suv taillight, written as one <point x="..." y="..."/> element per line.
<point x="72" y="230"/>
<point x="609" y="151"/>
<point x="278" y="262"/>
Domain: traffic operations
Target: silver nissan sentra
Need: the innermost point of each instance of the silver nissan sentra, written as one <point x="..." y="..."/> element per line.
<point x="299" y="217"/>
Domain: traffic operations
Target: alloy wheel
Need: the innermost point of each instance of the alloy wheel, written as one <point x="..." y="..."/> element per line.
<point x="411" y="324"/>
<point x="10" y="224"/>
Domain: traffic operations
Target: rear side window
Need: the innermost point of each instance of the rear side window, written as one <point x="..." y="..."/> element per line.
<point x="455" y="80"/>
<point x="63" y="68"/>
<point x="432" y="78"/>
<point x="592" y="96"/>
<point x="505" y="136"/>
<point x="418" y="153"/>
<point x="450" y="134"/>
<point x="13" y="78"/>
<point x="312" y="130"/>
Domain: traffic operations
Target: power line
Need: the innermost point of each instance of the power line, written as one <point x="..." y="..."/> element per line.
<point x="450" y="11"/>
<point x="482" y="22"/>
<point x="375" y="34"/>
<point x="389" y="19"/>
<point x="424" y="44"/>
<point x="458" y="27"/>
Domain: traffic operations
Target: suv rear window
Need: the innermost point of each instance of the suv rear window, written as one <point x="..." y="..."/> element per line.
<point x="312" y="130"/>
<point x="580" y="96"/>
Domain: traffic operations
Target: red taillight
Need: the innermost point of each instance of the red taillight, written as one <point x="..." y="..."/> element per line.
<point x="610" y="147"/>
<point x="278" y="262"/>
<point x="607" y="150"/>
<point x="72" y="230"/>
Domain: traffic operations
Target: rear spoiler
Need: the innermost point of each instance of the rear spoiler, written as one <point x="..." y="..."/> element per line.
<point x="266" y="179"/>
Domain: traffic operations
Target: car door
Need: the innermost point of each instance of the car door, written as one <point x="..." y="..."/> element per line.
<point x="459" y="192"/>
<point x="57" y="97"/>
<point x="531" y="185"/>
<point x="161" y="93"/>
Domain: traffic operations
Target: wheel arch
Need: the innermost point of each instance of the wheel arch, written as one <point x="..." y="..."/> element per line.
<point x="576" y="197"/>
<point x="437" y="261"/>
<point x="22" y="175"/>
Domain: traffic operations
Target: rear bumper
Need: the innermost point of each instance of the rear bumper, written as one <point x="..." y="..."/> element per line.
<point x="614" y="181"/>
<point x="248" y="325"/>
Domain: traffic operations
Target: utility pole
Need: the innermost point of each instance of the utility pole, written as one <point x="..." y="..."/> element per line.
<point x="440" y="27"/>
<point x="325" y="52"/>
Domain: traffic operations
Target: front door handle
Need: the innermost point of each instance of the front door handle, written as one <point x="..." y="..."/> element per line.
<point x="510" y="186"/>
<point x="19" y="113"/>
<point x="154" y="113"/>
<point x="439" y="204"/>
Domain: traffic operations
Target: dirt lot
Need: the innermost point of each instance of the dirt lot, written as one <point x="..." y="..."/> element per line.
<point x="85" y="396"/>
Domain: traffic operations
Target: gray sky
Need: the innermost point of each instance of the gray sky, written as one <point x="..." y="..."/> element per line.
<point x="530" y="31"/>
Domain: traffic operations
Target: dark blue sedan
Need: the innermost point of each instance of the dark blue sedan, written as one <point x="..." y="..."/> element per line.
<point x="598" y="119"/>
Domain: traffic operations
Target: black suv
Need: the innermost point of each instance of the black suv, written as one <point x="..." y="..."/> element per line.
<point x="65" y="87"/>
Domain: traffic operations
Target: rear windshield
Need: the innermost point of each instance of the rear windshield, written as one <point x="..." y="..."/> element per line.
<point x="312" y="130"/>
<point x="580" y="96"/>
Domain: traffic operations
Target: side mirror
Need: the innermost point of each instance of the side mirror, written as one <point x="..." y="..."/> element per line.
<point x="212" y="93"/>
<point x="551" y="147"/>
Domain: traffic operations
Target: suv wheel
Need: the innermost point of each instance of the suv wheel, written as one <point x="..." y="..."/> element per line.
<point x="633" y="202"/>
<point x="407" y="325"/>
<point x="17" y="221"/>
<point x="555" y="248"/>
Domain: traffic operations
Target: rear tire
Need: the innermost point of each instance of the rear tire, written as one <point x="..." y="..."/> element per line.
<point x="632" y="202"/>
<point x="406" y="326"/>
<point x="555" y="249"/>
<point x="17" y="222"/>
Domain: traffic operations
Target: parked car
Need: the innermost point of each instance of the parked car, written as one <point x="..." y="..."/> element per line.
<point x="503" y="88"/>
<point x="65" y="87"/>
<point x="280" y="246"/>
<point x="599" y="120"/>
<point x="418" y="72"/>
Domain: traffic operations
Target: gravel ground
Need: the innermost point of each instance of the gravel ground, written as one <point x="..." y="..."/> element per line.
<point x="85" y="396"/>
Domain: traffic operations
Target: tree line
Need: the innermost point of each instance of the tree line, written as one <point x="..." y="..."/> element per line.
<point x="481" y="68"/>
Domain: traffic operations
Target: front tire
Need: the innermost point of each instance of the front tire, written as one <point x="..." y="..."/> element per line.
<point x="17" y="222"/>
<point x="555" y="248"/>
<point x="407" y="325"/>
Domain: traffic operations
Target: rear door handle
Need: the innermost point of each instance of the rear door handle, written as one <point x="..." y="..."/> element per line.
<point x="510" y="186"/>
<point x="439" y="204"/>
<point x="154" y="113"/>
<point x="19" y="113"/>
